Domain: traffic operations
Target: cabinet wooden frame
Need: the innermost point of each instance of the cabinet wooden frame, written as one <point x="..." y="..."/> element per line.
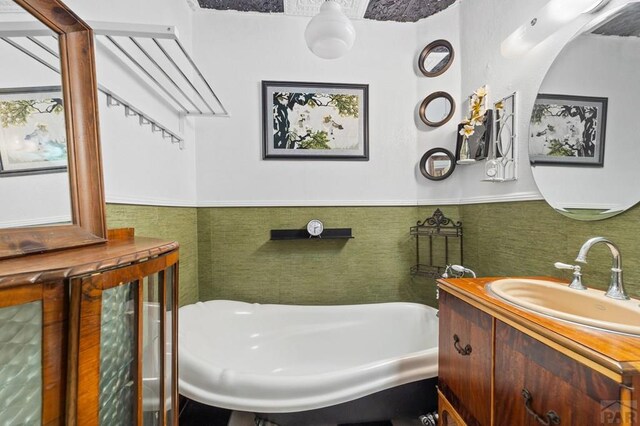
<point x="54" y="323"/>
<point x="85" y="333"/>
<point x="79" y="87"/>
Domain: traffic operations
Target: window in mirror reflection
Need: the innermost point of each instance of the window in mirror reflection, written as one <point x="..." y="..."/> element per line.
<point x="34" y="181"/>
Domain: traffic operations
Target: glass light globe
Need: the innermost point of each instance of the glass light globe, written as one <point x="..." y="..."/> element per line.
<point x="330" y="34"/>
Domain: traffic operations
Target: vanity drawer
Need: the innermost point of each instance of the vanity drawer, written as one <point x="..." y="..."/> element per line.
<point x="465" y="347"/>
<point x="533" y="379"/>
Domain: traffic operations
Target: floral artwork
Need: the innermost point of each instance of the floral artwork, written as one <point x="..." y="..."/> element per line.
<point x="568" y="130"/>
<point x="315" y="120"/>
<point x="32" y="131"/>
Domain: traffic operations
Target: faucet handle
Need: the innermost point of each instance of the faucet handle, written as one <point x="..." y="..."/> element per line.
<point x="576" y="284"/>
<point x="561" y="265"/>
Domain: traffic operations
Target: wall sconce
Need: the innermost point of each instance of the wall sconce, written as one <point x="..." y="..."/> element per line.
<point x="330" y="34"/>
<point x="547" y="21"/>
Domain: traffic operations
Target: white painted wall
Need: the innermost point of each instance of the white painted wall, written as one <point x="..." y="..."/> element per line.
<point x="141" y="167"/>
<point x="240" y="50"/>
<point x="590" y="66"/>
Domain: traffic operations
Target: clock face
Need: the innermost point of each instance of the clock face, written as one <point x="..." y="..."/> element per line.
<point x="314" y="227"/>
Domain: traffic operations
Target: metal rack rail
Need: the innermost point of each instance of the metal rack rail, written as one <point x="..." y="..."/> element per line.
<point x="153" y="52"/>
<point x="435" y="227"/>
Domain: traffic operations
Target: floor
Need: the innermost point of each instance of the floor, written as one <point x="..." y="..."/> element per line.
<point x="195" y="414"/>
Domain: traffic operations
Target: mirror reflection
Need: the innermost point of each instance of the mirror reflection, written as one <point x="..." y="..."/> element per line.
<point x="437" y="109"/>
<point x="582" y="143"/>
<point x="437" y="164"/>
<point x="34" y="181"/>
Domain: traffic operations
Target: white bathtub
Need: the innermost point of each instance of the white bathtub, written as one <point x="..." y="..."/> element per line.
<point x="280" y="358"/>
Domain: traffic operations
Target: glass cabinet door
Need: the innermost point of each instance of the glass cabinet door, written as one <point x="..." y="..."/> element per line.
<point x="125" y="324"/>
<point x="32" y="354"/>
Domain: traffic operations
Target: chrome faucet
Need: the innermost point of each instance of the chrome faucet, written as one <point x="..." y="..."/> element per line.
<point x="616" y="287"/>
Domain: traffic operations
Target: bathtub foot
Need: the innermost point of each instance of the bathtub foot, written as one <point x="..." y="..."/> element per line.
<point x="262" y="422"/>
<point x="430" y="419"/>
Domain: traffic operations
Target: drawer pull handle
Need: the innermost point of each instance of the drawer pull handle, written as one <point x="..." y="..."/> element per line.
<point x="462" y="351"/>
<point x="551" y="418"/>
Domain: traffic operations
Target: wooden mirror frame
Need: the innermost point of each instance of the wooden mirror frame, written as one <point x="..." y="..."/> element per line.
<point x="80" y="94"/>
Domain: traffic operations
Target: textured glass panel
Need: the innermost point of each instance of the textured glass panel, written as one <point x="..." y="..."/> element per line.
<point x="151" y="351"/>
<point x="21" y="364"/>
<point x="168" y="372"/>
<point x="117" y="356"/>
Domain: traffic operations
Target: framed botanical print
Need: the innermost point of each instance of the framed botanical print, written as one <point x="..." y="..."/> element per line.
<point x="319" y="121"/>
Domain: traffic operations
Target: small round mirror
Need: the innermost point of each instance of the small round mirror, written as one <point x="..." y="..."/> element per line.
<point x="437" y="164"/>
<point x="437" y="109"/>
<point x="436" y="58"/>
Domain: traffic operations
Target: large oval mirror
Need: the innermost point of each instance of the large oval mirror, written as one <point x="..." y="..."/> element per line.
<point x="437" y="108"/>
<point x="583" y="145"/>
<point x="34" y="178"/>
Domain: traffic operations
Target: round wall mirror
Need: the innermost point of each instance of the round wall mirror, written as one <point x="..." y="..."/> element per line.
<point x="583" y="146"/>
<point x="436" y="58"/>
<point x="437" y="164"/>
<point x="437" y="109"/>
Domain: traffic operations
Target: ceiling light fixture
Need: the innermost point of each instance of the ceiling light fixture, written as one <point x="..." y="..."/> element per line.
<point x="330" y="34"/>
<point x="547" y="21"/>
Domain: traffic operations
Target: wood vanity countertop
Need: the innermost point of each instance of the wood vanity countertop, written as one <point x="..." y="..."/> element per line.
<point x="615" y="355"/>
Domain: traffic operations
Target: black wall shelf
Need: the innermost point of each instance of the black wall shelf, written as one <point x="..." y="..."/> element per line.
<point x="302" y="234"/>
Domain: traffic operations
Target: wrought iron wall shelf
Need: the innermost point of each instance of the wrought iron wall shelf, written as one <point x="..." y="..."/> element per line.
<point x="431" y="229"/>
<point x="302" y="234"/>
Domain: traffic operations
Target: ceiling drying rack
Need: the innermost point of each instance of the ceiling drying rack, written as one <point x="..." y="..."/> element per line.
<point x="153" y="52"/>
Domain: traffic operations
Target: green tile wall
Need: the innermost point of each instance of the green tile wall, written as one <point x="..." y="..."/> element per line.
<point x="526" y="238"/>
<point x="226" y="252"/>
<point x="175" y="223"/>
<point x="238" y="261"/>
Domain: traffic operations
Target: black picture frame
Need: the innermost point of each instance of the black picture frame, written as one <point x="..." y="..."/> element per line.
<point x="568" y="130"/>
<point x="480" y="141"/>
<point x="328" y="121"/>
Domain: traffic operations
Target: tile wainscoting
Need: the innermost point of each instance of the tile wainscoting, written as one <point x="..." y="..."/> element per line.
<point x="226" y="252"/>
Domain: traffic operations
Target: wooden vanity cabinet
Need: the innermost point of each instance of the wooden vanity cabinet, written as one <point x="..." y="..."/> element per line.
<point x="464" y="364"/>
<point x="559" y="389"/>
<point x="513" y="373"/>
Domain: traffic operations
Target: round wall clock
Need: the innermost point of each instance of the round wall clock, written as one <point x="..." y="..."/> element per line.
<point x="315" y="227"/>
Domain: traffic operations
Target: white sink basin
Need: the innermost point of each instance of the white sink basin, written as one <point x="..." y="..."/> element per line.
<point x="587" y="307"/>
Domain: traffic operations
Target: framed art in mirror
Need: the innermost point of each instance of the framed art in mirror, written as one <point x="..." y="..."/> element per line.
<point x="568" y="130"/>
<point x="33" y="137"/>
<point x="78" y="113"/>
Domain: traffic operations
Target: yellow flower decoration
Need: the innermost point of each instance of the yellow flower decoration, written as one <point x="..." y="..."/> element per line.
<point x="500" y="105"/>
<point x="467" y="130"/>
